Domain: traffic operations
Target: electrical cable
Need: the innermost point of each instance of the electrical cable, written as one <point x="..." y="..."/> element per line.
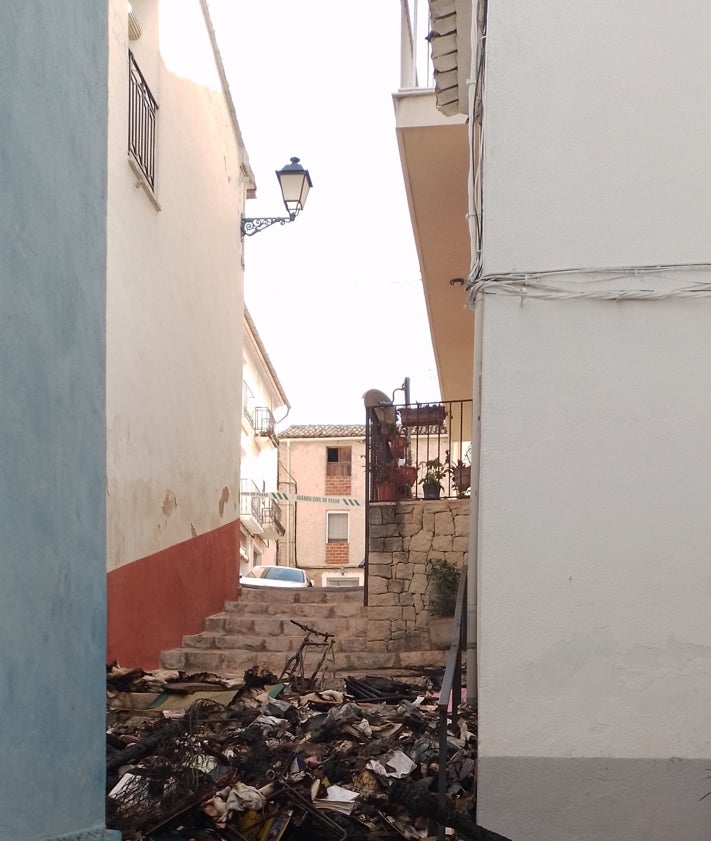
<point x="542" y="285"/>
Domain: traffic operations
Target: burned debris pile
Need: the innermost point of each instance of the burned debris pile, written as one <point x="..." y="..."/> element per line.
<point x="206" y="758"/>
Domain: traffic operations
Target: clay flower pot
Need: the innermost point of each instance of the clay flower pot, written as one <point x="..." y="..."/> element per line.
<point x="398" y="446"/>
<point x="432" y="414"/>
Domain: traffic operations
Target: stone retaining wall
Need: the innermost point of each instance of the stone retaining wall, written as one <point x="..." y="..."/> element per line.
<point x="403" y="536"/>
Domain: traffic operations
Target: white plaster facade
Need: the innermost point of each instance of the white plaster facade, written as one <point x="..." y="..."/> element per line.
<point x="174" y="291"/>
<point x="264" y="404"/>
<point x="590" y="182"/>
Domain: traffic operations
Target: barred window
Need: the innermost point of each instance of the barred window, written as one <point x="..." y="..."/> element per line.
<point x="142" y="109"/>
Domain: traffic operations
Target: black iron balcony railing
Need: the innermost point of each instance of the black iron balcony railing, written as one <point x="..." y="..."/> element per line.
<point x="419" y="451"/>
<point x="142" y="109"/>
<point x="265" y="425"/>
<point x="272" y="516"/>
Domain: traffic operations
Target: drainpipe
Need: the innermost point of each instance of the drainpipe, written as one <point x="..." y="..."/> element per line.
<point x="477" y="46"/>
<point x="293" y="518"/>
<point x="473" y="570"/>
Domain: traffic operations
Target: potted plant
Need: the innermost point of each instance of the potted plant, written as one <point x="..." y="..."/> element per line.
<point x="462" y="474"/>
<point x="431" y="414"/>
<point x="443" y="580"/>
<point x="442" y="586"/>
<point x="407" y="474"/>
<point x="431" y="481"/>
<point x="394" y="481"/>
<point x="398" y="445"/>
<point x="385" y="485"/>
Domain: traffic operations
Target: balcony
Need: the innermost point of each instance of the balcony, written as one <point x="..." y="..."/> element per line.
<point x="419" y="451"/>
<point x="264" y="424"/>
<point x="250" y="507"/>
<point x="272" y="519"/>
<point x="435" y="158"/>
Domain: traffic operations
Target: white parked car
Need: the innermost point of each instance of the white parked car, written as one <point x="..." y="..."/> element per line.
<point x="276" y="576"/>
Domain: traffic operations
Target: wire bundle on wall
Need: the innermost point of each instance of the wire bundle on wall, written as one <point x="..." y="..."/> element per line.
<point x="542" y="285"/>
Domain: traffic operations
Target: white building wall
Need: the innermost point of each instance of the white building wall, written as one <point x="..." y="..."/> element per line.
<point x="594" y="644"/>
<point x="259" y="455"/>
<point x="593" y="538"/>
<point x="174" y="293"/>
<point x="597" y="134"/>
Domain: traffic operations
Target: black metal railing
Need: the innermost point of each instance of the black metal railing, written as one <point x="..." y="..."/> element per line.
<point x="264" y="424"/>
<point x="272" y="516"/>
<point x="419" y="450"/>
<point x="450" y="696"/>
<point x="142" y="109"/>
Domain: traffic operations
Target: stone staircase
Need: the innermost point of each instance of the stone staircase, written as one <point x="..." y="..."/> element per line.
<point x="257" y="631"/>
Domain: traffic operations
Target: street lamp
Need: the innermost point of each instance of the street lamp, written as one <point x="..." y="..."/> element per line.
<point x="295" y="183"/>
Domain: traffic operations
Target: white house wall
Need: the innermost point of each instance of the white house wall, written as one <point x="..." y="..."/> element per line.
<point x="597" y="134"/>
<point x="259" y="455"/>
<point x="174" y="307"/>
<point x="594" y="584"/>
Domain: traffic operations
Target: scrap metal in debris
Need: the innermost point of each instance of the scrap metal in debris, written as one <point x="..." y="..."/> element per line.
<point x="211" y="758"/>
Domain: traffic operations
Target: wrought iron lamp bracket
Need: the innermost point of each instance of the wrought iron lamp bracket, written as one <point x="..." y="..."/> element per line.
<point x="253" y="225"/>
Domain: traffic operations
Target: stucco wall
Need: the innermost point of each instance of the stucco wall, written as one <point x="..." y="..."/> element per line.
<point x="594" y="644"/>
<point x="593" y="545"/>
<point x="52" y="482"/>
<point x="174" y="339"/>
<point x="175" y="291"/>
<point x="597" y="134"/>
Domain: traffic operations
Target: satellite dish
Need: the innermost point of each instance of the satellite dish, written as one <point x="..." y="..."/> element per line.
<point x="373" y="397"/>
<point x="381" y="404"/>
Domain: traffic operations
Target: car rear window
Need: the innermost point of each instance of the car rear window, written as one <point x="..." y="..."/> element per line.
<point x="284" y="574"/>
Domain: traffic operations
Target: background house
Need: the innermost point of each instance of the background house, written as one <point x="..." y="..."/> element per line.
<point x="175" y="194"/>
<point x="542" y="179"/>
<point x="326" y="539"/>
<point x="264" y="403"/>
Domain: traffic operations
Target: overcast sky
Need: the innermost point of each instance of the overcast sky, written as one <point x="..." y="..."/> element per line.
<point x="336" y="295"/>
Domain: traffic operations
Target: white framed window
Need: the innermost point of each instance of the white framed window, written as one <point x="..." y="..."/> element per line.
<point x="337" y="525"/>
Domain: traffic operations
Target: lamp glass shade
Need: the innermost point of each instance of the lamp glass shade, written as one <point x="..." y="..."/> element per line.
<point x="295" y="183"/>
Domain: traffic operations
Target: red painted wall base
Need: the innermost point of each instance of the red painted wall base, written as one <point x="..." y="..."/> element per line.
<point x="154" y="601"/>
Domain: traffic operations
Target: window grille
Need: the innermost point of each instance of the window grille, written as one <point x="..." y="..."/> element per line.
<point x="142" y="109"/>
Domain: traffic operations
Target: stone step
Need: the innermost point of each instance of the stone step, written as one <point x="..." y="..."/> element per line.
<point x="301" y="611"/>
<point x="279" y="643"/>
<point x="299" y="595"/>
<point x="234" y="662"/>
<point x="256" y="630"/>
<point x="231" y="623"/>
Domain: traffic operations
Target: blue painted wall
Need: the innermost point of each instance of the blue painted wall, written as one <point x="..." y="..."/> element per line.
<point x="53" y="112"/>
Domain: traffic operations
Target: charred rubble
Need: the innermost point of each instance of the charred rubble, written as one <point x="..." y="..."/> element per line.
<point x="207" y="758"/>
